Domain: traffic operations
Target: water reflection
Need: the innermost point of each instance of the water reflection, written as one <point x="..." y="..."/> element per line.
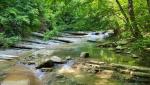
<point x="101" y="54"/>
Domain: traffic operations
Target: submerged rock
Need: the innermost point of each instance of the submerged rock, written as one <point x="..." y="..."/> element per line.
<point x="56" y="59"/>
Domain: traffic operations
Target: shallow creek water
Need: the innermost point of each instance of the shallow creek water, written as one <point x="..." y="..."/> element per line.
<point x="74" y="77"/>
<point x="101" y="54"/>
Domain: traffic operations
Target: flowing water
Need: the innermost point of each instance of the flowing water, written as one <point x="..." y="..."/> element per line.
<point x="66" y="75"/>
<point x="101" y="54"/>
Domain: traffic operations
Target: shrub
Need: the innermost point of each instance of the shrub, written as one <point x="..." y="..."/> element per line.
<point x="8" y="41"/>
<point x="141" y="43"/>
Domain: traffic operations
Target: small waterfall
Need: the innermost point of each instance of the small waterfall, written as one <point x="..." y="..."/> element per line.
<point x="38" y="73"/>
<point x="67" y="67"/>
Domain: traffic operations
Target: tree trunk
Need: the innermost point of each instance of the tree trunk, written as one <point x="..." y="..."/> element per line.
<point x="125" y="16"/>
<point x="131" y="22"/>
<point x="122" y="11"/>
<point x="148" y="21"/>
<point x="136" y="31"/>
<point x="148" y="4"/>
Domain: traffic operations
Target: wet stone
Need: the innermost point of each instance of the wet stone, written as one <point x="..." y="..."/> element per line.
<point x="68" y="58"/>
<point x="84" y="55"/>
<point x="46" y="64"/>
<point x="56" y="59"/>
<point x="134" y="56"/>
<point x="46" y="69"/>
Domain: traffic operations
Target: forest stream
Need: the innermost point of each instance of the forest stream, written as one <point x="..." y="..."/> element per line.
<point x="78" y="62"/>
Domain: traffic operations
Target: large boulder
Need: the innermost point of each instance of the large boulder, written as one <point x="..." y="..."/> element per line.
<point x="46" y="64"/>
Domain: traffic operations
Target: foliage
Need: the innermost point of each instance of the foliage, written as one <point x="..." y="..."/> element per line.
<point x="20" y="17"/>
<point x="140" y="44"/>
<point x="7" y="42"/>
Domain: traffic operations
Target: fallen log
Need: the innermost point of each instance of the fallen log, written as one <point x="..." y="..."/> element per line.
<point x="132" y="68"/>
<point x="139" y="80"/>
<point x="140" y="74"/>
<point x="135" y="73"/>
<point x="147" y="49"/>
<point x="118" y="67"/>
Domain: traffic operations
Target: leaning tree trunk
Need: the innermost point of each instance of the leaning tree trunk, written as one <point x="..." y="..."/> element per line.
<point x="122" y="11"/>
<point x="136" y="31"/>
<point x="125" y="16"/>
<point x="148" y="21"/>
<point x="148" y="4"/>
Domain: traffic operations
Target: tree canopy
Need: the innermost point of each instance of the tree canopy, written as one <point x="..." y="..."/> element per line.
<point x="20" y="17"/>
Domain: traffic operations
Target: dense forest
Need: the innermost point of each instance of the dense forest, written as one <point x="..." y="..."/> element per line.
<point x="18" y="18"/>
